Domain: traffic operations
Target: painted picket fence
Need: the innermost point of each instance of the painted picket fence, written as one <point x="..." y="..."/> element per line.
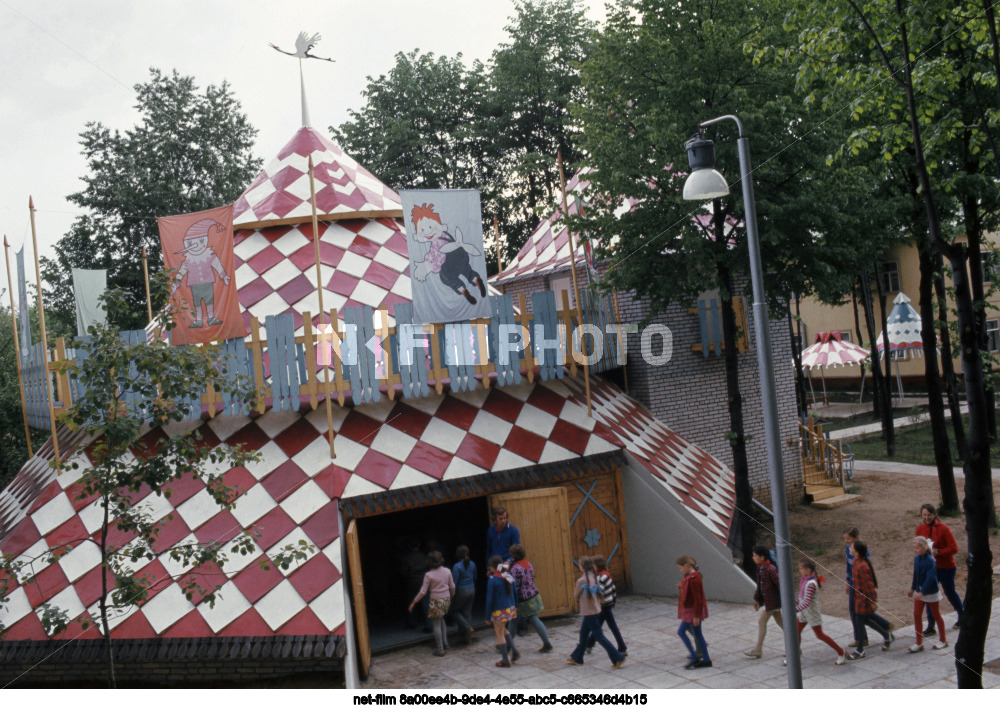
<point x="364" y="359"/>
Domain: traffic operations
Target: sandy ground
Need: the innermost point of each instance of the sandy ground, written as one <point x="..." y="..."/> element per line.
<point x="887" y="518"/>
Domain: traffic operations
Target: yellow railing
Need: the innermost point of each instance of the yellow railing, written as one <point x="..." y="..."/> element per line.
<point x="822" y="459"/>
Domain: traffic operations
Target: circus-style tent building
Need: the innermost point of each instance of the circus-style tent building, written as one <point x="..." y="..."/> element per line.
<point x="422" y="451"/>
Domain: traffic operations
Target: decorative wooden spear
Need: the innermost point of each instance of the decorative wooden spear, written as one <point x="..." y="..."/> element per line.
<point x="45" y="341"/>
<point x="319" y="291"/>
<point x="576" y="286"/>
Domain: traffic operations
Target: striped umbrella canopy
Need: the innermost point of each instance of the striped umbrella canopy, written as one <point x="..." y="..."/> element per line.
<point x="829" y="350"/>
<point x="904" y="328"/>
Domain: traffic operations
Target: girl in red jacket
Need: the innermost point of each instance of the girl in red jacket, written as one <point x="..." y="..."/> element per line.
<point x="692" y="609"/>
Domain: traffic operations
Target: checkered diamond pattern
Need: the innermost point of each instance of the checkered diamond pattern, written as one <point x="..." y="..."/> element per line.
<point x="281" y="191"/>
<point x="292" y="495"/>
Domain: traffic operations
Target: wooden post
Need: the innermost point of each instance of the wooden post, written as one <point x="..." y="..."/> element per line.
<point x="576" y="285"/>
<point x="45" y="341"/>
<point x="621" y="334"/>
<point x="256" y="348"/>
<point x="145" y="275"/>
<point x="525" y="321"/>
<point x="17" y="347"/>
<point x="319" y="292"/>
<point x="496" y="232"/>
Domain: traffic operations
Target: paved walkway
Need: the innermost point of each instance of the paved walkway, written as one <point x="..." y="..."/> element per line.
<point x="656" y="657"/>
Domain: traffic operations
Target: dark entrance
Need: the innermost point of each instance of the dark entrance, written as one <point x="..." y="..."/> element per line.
<point x="382" y="540"/>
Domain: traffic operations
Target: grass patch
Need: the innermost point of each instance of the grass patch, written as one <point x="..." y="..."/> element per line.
<point x="913" y="445"/>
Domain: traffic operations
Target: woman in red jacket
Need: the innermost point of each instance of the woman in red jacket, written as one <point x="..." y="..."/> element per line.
<point x="692" y="609"/>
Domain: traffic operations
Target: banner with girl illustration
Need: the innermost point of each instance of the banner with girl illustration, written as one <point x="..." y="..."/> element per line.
<point x="198" y="250"/>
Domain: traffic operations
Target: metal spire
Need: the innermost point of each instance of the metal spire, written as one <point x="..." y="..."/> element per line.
<point x="303" y="44"/>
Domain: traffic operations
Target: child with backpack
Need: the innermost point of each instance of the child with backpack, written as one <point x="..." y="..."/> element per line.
<point x="588" y="594"/>
<point x="609" y="597"/>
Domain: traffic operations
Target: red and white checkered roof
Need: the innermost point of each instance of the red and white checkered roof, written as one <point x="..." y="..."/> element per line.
<point x="281" y="190"/>
<point x="291" y="495"/>
<point x="547" y="249"/>
<point x="362" y="262"/>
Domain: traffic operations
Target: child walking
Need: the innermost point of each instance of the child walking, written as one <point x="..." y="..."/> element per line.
<point x="500" y="608"/>
<point x="851" y="535"/>
<point x="609" y="597"/>
<point x="925" y="591"/>
<point x="692" y="609"/>
<point x="438" y="581"/>
<point x="807" y="607"/>
<point x="865" y="601"/>
<point x="588" y="594"/>
<point x="464" y="575"/>
<point x="529" y="600"/>
<point x="768" y="595"/>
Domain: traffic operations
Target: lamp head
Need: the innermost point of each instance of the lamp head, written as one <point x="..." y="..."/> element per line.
<point x="704" y="182"/>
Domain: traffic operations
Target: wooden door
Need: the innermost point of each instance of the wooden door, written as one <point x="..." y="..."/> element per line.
<point x="363" y="642"/>
<point x="597" y="523"/>
<point x="541" y="516"/>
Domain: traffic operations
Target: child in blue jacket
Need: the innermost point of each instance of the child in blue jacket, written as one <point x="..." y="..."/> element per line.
<point x="925" y="590"/>
<point x="500" y="608"/>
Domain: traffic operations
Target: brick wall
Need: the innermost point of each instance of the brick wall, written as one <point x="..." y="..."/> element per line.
<point x="688" y="393"/>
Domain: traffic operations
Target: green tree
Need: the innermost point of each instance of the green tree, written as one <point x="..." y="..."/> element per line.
<point x="659" y="68"/>
<point x="128" y="390"/>
<point x="535" y="78"/>
<point x="189" y="151"/>
<point x="920" y="79"/>
<point x="434" y="123"/>
<point x="13" y="444"/>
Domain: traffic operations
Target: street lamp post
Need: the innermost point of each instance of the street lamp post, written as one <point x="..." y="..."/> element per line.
<point x="706" y="183"/>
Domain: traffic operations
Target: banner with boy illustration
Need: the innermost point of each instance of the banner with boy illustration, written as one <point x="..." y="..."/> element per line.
<point x="444" y="236"/>
<point x="198" y="250"/>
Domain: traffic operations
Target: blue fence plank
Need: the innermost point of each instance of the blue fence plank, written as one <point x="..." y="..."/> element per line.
<point x="716" y="329"/>
<point x="548" y="353"/>
<point x="411" y="355"/>
<point x="236" y="363"/>
<point x="703" y="307"/>
<point x="506" y="342"/>
<point x="459" y="352"/>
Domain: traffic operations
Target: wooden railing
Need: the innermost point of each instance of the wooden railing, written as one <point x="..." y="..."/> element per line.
<point x="367" y="359"/>
<point x="823" y="460"/>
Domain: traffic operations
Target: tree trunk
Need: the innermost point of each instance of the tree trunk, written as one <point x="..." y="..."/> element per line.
<point x="882" y="409"/>
<point x="978" y="502"/>
<point x="947" y="365"/>
<point x="935" y="403"/>
<point x="800" y="385"/>
<point x="103" y="601"/>
<point x="861" y="338"/>
<point x="970" y="649"/>
<point x="974" y="233"/>
<point x="886" y="393"/>
<point x="747" y="527"/>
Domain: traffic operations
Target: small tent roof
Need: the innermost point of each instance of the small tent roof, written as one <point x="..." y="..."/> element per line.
<point x="282" y="191"/>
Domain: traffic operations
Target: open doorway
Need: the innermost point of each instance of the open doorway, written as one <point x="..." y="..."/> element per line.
<point x="383" y="542"/>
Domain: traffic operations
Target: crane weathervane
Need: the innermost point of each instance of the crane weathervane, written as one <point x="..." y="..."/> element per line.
<point x="303" y="44"/>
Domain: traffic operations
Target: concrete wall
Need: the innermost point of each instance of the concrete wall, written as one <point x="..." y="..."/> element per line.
<point x="660" y="529"/>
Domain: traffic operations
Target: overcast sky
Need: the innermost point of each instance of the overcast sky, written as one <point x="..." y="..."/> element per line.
<point x="65" y="62"/>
